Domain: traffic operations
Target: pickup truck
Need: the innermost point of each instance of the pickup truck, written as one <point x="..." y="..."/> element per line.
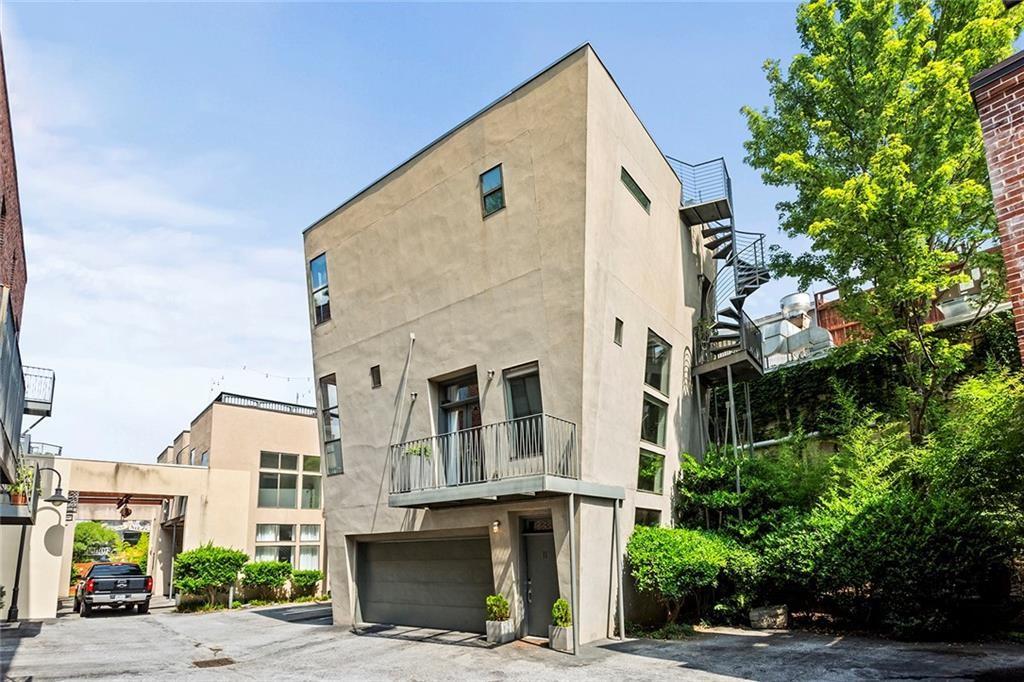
<point x="114" y="585"/>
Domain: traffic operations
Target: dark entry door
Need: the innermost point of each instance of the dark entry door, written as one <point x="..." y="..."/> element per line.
<point x="541" y="581"/>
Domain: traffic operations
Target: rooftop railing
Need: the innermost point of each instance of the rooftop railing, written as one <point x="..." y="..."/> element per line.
<point x="263" y="404"/>
<point x="528" y="446"/>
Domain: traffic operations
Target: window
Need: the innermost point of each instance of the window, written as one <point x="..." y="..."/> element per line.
<point x="204" y="459"/>
<point x="375" y="376"/>
<point x="284" y="553"/>
<point x="310" y="482"/>
<point x="492" y="191"/>
<point x="652" y="469"/>
<point x="309" y="558"/>
<point x="652" y="420"/>
<point x="318" y="289"/>
<point x="331" y="424"/>
<point x="310" y="532"/>
<point x="275" y="532"/>
<point x="656" y="369"/>
<point x="635" y="190"/>
<point x="278" y="489"/>
<point x="647" y="517"/>
<point x="192" y="459"/>
<point x="523" y="401"/>
<point x="617" y="338"/>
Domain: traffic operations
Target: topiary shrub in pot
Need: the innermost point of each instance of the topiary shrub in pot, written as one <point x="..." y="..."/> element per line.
<point x="560" y="630"/>
<point x="499" y="625"/>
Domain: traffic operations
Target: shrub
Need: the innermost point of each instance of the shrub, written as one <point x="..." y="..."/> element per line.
<point x="304" y="583"/>
<point x="266" y="578"/>
<point x="561" y="614"/>
<point x="207" y="569"/>
<point x="497" y="607"/>
<point x="674" y="564"/>
<point x="93" y="541"/>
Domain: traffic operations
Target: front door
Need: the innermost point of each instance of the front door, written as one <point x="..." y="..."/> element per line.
<point x="541" y="580"/>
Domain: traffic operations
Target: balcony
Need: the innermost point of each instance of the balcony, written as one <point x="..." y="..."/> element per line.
<point x="706" y="195"/>
<point x="38" y="391"/>
<point x="511" y="459"/>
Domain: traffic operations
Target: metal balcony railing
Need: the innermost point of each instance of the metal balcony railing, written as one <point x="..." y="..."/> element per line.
<point x="702" y="182"/>
<point x="39" y="383"/>
<point x="264" y="404"/>
<point x="12" y="384"/>
<point x="528" y="446"/>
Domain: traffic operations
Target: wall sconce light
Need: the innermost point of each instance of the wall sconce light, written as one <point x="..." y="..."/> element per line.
<point x="413" y="395"/>
<point x="495" y="526"/>
<point x="490" y="374"/>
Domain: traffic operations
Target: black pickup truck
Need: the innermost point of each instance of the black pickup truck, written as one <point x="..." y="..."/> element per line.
<point x="114" y="585"/>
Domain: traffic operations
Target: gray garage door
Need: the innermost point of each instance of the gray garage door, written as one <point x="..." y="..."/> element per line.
<point x="426" y="583"/>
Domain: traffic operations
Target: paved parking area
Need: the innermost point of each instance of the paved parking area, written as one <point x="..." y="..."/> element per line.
<point x="299" y="643"/>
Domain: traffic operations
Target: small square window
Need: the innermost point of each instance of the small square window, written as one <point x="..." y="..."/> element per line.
<point x="492" y="191"/>
<point x="375" y="376"/>
<point x="618" y="332"/>
<point x="647" y="517"/>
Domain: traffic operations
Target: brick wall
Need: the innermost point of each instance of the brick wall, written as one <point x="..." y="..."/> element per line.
<point x="12" y="247"/>
<point x="999" y="98"/>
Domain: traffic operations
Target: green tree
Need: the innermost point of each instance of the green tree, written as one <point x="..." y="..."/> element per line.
<point x="207" y="569"/>
<point x="135" y="554"/>
<point x="873" y="127"/>
<point x="93" y="539"/>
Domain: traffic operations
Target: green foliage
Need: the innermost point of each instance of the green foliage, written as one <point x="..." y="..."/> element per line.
<point x="675" y="564"/>
<point x="93" y="540"/>
<point x="497" y="607"/>
<point x="669" y="631"/>
<point x="304" y="583"/>
<point x="561" y="614"/>
<point x="24" y="475"/>
<point x="135" y="554"/>
<point x="266" y="574"/>
<point x="874" y="128"/>
<point x="207" y="569"/>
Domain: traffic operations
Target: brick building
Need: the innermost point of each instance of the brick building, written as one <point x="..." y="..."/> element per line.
<point x="12" y="248"/>
<point x="999" y="98"/>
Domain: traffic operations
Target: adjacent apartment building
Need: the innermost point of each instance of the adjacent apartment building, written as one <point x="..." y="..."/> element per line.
<point x="509" y="351"/>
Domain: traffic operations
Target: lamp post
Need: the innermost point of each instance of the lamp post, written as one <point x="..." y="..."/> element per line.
<point x="56" y="499"/>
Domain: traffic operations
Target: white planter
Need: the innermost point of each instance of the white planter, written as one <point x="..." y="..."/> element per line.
<point x="500" y="631"/>
<point x="560" y="639"/>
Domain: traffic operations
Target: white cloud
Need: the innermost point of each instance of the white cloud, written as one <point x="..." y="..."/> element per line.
<point x="141" y="294"/>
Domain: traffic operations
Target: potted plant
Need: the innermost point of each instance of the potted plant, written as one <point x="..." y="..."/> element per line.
<point x="499" y="625"/>
<point x="19" y="489"/>
<point x="417" y="465"/>
<point x="560" y="630"/>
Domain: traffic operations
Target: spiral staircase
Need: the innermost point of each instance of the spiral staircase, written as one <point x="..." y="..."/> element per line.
<point x="727" y="346"/>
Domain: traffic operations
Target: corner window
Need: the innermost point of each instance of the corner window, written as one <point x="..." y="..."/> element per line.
<point x="278" y="480"/>
<point x="656" y="368"/>
<point x="331" y="424"/>
<point x="652" y="420"/>
<point x="651" y="473"/>
<point x="647" y="517"/>
<point x="617" y="338"/>
<point x="318" y="289"/>
<point x="492" y="191"/>
<point x="635" y="190"/>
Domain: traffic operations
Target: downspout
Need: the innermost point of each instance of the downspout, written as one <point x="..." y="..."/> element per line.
<point x="618" y="566"/>
<point x="573" y="592"/>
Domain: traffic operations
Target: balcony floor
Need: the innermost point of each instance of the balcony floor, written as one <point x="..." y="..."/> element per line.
<point x="744" y="368"/>
<point x="503" y="490"/>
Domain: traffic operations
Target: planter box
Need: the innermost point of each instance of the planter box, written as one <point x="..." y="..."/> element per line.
<point x="770" y="617"/>
<point x="500" y="631"/>
<point x="560" y="639"/>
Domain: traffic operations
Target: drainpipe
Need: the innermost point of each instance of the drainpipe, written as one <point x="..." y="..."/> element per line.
<point x="618" y="566"/>
<point x="12" y="613"/>
<point x="573" y="592"/>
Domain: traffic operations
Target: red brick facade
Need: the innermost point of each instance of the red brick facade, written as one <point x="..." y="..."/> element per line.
<point x="12" y="246"/>
<point x="999" y="98"/>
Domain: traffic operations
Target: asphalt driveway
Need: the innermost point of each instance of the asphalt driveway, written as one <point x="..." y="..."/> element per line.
<point x="299" y="643"/>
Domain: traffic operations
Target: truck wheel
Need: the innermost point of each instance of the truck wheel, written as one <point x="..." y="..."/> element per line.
<point x="143" y="607"/>
<point x="86" y="610"/>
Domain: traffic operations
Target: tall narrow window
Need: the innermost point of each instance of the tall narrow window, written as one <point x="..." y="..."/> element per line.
<point x="618" y="332"/>
<point x="635" y="190"/>
<point x="656" y="368"/>
<point x="651" y="472"/>
<point x="652" y="421"/>
<point x="375" y="376"/>
<point x="331" y="424"/>
<point x="492" y="191"/>
<point x="318" y="289"/>
<point x="310" y="498"/>
<point x="525" y="409"/>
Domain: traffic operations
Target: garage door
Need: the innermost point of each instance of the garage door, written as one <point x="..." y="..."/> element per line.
<point x="426" y="583"/>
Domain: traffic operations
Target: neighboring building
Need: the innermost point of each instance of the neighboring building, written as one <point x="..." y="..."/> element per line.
<point x="999" y="98"/>
<point x="247" y="475"/>
<point x="503" y="333"/>
<point x="792" y="334"/>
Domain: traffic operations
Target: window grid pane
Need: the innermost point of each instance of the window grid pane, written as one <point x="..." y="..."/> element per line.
<point x="652" y="422"/>
<point x="656" y="370"/>
<point x="309" y="558"/>
<point x="310" y="532"/>
<point x="651" y="472"/>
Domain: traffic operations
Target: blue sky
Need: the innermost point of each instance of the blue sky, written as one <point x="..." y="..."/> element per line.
<point x="170" y="156"/>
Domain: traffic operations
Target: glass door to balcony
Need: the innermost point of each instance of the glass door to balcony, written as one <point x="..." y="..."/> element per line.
<point x="525" y="412"/>
<point x="460" y="420"/>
